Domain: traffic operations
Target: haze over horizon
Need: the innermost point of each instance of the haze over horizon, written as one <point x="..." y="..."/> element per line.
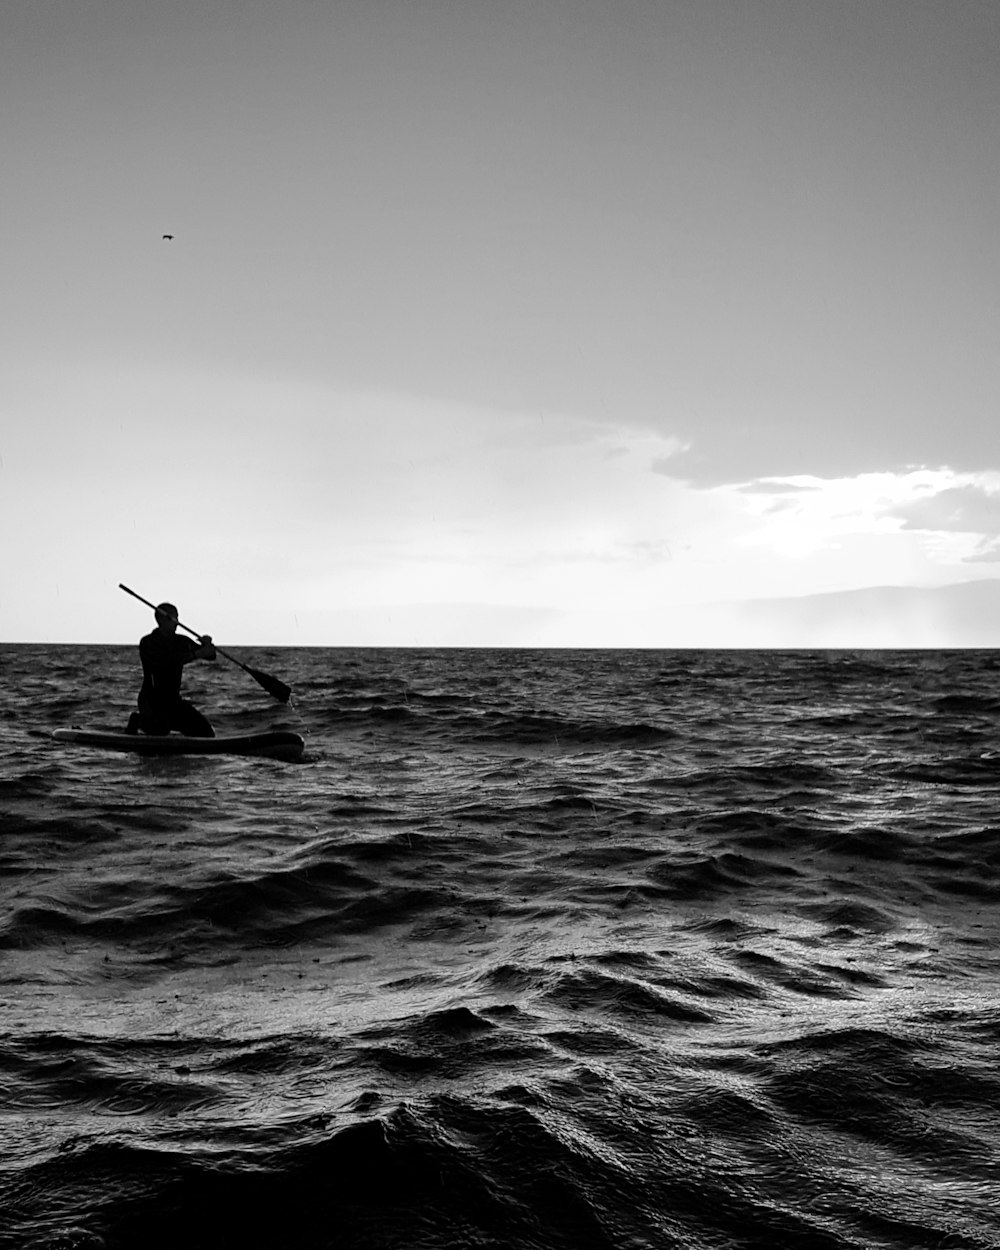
<point x="559" y="323"/>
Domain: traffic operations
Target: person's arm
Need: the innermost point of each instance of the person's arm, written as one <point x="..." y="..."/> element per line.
<point x="202" y="651"/>
<point x="205" y="651"/>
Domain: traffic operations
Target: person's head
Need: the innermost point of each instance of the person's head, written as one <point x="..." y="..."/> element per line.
<point x="166" y="617"/>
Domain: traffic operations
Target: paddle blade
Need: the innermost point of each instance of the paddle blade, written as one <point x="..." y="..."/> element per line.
<point x="272" y="685"/>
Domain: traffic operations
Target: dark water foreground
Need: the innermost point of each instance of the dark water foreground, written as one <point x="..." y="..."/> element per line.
<point x="554" y="950"/>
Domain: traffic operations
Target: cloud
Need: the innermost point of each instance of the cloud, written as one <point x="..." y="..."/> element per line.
<point x="965" y="509"/>
<point x="987" y="552"/>
<point x="778" y="486"/>
<point x="666" y="466"/>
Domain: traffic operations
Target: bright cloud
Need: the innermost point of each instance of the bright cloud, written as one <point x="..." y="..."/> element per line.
<point x="969" y="508"/>
<point x="806" y="514"/>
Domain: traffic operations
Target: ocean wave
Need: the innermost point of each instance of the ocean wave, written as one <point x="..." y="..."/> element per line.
<point x="539" y="949"/>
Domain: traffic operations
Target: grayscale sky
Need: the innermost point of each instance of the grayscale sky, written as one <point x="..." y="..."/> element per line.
<point x="561" y="322"/>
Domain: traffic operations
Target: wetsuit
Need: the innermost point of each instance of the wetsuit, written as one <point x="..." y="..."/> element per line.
<point x="161" y="707"/>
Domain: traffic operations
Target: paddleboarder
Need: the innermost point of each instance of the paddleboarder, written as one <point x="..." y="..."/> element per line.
<point x="163" y="655"/>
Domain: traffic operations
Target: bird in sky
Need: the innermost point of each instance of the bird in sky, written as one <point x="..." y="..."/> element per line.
<point x="168" y="236"/>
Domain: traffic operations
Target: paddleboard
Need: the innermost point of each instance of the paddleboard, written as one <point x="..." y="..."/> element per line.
<point x="279" y="744"/>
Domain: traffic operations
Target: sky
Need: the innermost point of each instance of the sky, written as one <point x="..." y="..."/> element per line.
<point x="502" y="322"/>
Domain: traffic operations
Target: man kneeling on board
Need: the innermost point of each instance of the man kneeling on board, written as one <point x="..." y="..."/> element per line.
<point x="163" y="656"/>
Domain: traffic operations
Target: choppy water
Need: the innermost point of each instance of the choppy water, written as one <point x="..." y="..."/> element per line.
<point x="535" y="949"/>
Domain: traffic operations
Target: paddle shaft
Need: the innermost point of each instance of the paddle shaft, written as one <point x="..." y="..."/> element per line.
<point x="180" y="624"/>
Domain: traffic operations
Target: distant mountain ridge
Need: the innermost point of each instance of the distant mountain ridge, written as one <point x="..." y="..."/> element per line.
<point x="966" y="614"/>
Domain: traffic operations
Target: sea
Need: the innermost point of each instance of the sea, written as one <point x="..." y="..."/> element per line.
<point x="534" y="950"/>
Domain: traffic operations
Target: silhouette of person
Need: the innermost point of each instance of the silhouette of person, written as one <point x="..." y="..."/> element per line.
<point x="163" y="655"/>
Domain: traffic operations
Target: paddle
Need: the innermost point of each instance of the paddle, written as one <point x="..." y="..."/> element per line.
<point x="271" y="684"/>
